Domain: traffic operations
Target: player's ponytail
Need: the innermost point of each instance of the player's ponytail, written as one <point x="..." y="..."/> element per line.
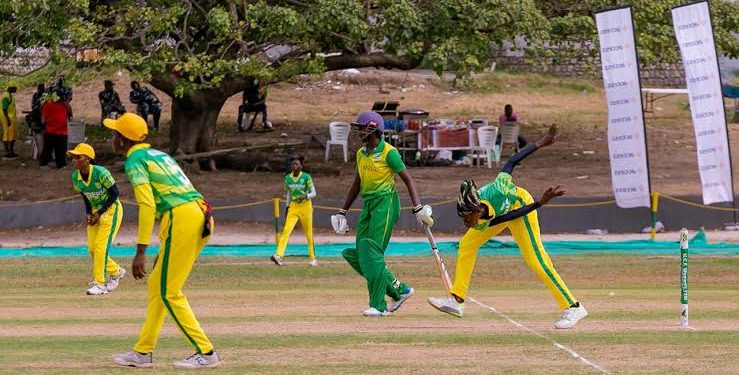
<point x="468" y="200"/>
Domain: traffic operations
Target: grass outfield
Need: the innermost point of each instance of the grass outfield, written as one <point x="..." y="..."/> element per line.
<point x="297" y="320"/>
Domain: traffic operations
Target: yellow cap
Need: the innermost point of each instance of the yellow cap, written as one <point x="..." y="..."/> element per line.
<point x="130" y="125"/>
<point x="12" y="83"/>
<point x="82" y="149"/>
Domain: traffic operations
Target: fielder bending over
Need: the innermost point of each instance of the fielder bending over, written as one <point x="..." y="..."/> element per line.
<point x="377" y="164"/>
<point x="491" y="209"/>
<point x="104" y="217"/>
<point x="163" y="191"/>
<point x="300" y="191"/>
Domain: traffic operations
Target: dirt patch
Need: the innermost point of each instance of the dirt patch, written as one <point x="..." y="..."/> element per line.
<point x="307" y="107"/>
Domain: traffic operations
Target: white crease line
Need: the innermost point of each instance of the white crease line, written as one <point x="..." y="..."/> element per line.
<point x="569" y="350"/>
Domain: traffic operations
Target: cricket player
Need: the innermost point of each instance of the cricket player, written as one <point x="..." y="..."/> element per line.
<point x="491" y="209"/>
<point x="377" y="164"/>
<point x="104" y="217"/>
<point x="163" y="191"/>
<point x="8" y="120"/>
<point x="300" y="191"/>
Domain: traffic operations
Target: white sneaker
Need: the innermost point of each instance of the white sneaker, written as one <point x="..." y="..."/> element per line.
<point x="313" y="263"/>
<point x="277" y="259"/>
<point x="571" y="316"/>
<point x="447" y="305"/>
<point x="374" y="312"/>
<point x="113" y="281"/>
<point x="134" y="359"/>
<point x="96" y="289"/>
<point x="403" y="297"/>
<point x="198" y="360"/>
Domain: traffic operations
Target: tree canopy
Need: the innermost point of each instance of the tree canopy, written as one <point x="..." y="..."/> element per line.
<point x="201" y="52"/>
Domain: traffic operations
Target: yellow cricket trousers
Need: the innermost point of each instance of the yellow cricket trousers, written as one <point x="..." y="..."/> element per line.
<point x="525" y="231"/>
<point x="302" y="212"/>
<point x="10" y="129"/>
<point x="99" y="239"/>
<point x="181" y="243"/>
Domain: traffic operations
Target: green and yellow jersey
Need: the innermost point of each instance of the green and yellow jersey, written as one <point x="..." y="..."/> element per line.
<point x="95" y="188"/>
<point x="498" y="196"/>
<point x="377" y="169"/>
<point x="169" y="184"/>
<point x="7" y="104"/>
<point x="299" y="186"/>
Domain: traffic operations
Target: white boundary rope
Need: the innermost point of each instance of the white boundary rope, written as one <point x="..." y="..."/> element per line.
<point x="567" y="349"/>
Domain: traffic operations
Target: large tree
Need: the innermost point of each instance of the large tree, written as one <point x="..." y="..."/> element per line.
<point x="202" y="52"/>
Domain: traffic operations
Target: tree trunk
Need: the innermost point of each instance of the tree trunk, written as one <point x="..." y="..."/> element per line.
<point x="194" y="119"/>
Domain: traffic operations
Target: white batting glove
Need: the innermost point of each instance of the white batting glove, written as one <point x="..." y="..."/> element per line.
<point x="424" y="215"/>
<point x="339" y="223"/>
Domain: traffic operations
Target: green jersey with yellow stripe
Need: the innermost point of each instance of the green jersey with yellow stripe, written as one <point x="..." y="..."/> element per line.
<point x="298" y="186"/>
<point x="498" y="196"/>
<point x="169" y="184"/>
<point x="377" y="169"/>
<point x="95" y="188"/>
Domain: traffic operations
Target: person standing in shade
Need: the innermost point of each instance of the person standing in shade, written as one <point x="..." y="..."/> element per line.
<point x="8" y="120"/>
<point x="104" y="217"/>
<point x="300" y="191"/>
<point x="55" y="118"/>
<point x="162" y="190"/>
<point x="110" y="102"/>
<point x="377" y="164"/>
<point x="146" y="103"/>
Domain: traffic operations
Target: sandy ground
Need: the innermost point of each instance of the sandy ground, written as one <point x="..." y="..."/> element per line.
<point x="305" y="107"/>
<point x="233" y="233"/>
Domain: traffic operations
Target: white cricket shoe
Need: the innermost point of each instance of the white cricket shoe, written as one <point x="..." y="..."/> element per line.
<point x="571" y="316"/>
<point x="198" y="360"/>
<point x="313" y="263"/>
<point x="277" y="259"/>
<point x="96" y="289"/>
<point x="403" y="297"/>
<point x="447" y="305"/>
<point x="113" y="281"/>
<point x="374" y="312"/>
<point x="134" y="359"/>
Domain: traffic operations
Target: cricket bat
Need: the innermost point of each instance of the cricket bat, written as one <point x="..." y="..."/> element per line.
<point x="439" y="262"/>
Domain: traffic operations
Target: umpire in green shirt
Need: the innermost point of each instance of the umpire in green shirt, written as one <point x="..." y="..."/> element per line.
<point x="377" y="164"/>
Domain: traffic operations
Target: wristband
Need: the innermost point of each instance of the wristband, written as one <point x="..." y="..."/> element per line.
<point x="342" y="212"/>
<point x="417" y="209"/>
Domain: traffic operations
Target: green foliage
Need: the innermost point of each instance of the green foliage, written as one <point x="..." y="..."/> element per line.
<point x="206" y="43"/>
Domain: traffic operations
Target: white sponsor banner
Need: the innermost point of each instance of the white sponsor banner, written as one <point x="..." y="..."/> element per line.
<point x="695" y="37"/>
<point x="626" y="140"/>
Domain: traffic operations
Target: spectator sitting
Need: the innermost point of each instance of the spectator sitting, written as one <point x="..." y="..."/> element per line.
<point x="54" y="116"/>
<point x="254" y="100"/>
<point x="146" y="103"/>
<point x="110" y="102"/>
<point x="510" y="116"/>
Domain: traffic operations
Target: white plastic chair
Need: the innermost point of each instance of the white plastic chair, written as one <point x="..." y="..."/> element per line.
<point x="75" y="133"/>
<point x="339" y="137"/>
<point x="509" y="135"/>
<point x="486" y="136"/>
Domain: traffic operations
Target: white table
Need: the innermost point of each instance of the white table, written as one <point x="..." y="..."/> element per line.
<point x="654" y="94"/>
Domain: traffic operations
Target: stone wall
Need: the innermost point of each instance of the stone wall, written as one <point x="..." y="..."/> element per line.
<point x="663" y="75"/>
<point x="24" y="62"/>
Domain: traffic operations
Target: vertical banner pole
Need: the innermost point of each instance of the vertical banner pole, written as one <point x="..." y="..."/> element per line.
<point x="684" y="277"/>
<point x="276" y="202"/>
<point x="655" y="204"/>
